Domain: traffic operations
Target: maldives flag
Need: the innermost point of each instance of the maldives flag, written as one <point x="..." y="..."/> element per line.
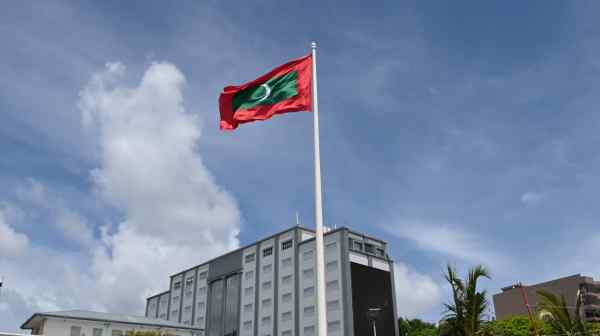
<point x="286" y="88"/>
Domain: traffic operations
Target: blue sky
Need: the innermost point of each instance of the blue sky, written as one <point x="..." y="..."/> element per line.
<point x="462" y="132"/>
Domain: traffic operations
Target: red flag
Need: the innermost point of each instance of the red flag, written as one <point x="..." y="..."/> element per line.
<point x="286" y="88"/>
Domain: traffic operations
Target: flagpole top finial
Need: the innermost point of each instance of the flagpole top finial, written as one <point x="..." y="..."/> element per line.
<point x="314" y="45"/>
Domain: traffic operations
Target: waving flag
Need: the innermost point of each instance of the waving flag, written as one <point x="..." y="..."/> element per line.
<point x="286" y="88"/>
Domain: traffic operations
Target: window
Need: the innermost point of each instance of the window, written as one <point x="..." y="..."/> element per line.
<point x="358" y="246"/>
<point x="249" y="275"/>
<point x="286" y="333"/>
<point x="201" y="306"/>
<point x="248" y="308"/>
<point x="232" y="305"/>
<point x="308" y="255"/>
<point x="75" y="331"/>
<point x="308" y="274"/>
<point x="175" y="298"/>
<point x="332" y="285"/>
<point x="202" y="275"/>
<point x="309" y="311"/>
<point x="201" y="291"/>
<point x="189" y="282"/>
<point x="330" y="246"/>
<point x="189" y="292"/>
<point x="266" y="320"/>
<point x="287" y="262"/>
<point x="188" y="308"/>
<point x="268" y="251"/>
<point x="97" y="332"/>
<point x="287" y="280"/>
<point x="309" y="331"/>
<point x="175" y="312"/>
<point x="186" y="322"/>
<point x="333" y="306"/>
<point x="215" y="302"/>
<point x="266" y="303"/>
<point x="116" y="332"/>
<point x="333" y="326"/>
<point x="369" y="248"/>
<point x="287" y="316"/>
<point x="267" y="285"/>
<point x="200" y="320"/>
<point x="331" y="266"/>
<point x="249" y="258"/>
<point x="162" y="316"/>
<point x="177" y="285"/>
<point x="309" y="291"/>
<point x="248" y="291"/>
<point x="287" y="244"/>
<point x="267" y="268"/>
<point x="247" y="325"/>
<point x="287" y="297"/>
<point x="380" y="252"/>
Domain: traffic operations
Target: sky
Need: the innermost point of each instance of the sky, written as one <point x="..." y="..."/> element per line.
<point x="461" y="132"/>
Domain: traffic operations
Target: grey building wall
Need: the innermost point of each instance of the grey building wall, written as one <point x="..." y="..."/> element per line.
<point x="248" y="295"/>
<point x="187" y="304"/>
<point x="200" y="305"/>
<point x="163" y="305"/>
<point x="277" y="294"/>
<point x="286" y="284"/>
<point x="176" y="298"/>
<point x="266" y="288"/>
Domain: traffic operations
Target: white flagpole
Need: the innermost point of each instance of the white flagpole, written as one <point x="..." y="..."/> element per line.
<point x="321" y="303"/>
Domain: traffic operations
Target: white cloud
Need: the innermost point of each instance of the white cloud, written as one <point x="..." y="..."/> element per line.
<point x="448" y="241"/>
<point x="11" y="242"/>
<point x="174" y="215"/>
<point x="416" y="293"/>
<point x="532" y="198"/>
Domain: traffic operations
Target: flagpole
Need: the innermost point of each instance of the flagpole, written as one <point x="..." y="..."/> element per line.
<point x="321" y="303"/>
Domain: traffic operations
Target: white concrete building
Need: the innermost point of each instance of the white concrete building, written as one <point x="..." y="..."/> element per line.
<point x="87" y="323"/>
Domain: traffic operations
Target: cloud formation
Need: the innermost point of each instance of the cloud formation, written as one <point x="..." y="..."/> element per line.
<point x="12" y="243"/>
<point x="450" y="241"/>
<point x="416" y="293"/>
<point x="173" y="213"/>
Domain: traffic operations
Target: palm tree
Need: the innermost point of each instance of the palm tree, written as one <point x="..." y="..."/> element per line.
<point x="555" y="311"/>
<point x="464" y="315"/>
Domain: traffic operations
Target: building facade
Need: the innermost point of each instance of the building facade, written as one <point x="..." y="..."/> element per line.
<point x="88" y="323"/>
<point x="510" y="301"/>
<point x="268" y="288"/>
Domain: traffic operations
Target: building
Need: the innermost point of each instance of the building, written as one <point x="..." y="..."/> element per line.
<point x="87" y="323"/>
<point x="268" y="288"/>
<point x="510" y="301"/>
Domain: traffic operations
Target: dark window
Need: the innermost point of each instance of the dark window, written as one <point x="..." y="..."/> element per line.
<point x="268" y="251"/>
<point x="358" y="246"/>
<point x="369" y="248"/>
<point x="177" y="285"/>
<point x="97" y="332"/>
<point x="380" y="252"/>
<point x="232" y="305"/>
<point x="215" y="302"/>
<point x="249" y="258"/>
<point x="75" y="331"/>
<point x="287" y="244"/>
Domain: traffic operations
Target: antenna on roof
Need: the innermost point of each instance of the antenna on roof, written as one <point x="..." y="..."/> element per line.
<point x="297" y="218"/>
